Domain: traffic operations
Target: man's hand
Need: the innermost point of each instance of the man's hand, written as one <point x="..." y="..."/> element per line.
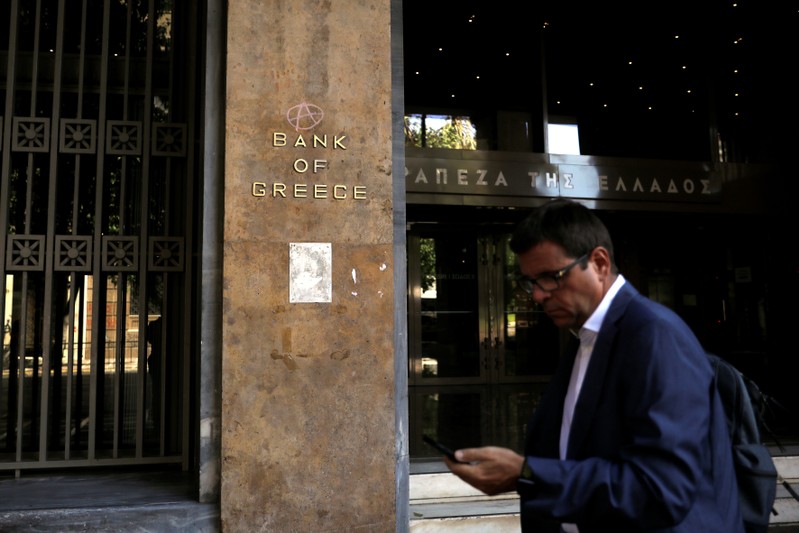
<point x="490" y="469"/>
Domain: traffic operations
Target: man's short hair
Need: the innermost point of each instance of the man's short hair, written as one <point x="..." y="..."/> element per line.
<point x="566" y="223"/>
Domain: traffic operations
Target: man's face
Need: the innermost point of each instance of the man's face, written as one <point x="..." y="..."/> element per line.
<point x="580" y="291"/>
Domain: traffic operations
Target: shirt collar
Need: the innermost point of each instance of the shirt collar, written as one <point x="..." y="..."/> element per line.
<point x="594" y="321"/>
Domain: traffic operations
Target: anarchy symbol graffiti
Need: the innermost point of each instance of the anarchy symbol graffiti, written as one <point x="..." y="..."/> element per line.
<point x="304" y="116"/>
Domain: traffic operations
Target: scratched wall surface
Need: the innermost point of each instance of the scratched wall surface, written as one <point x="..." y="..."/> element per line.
<point x="307" y="390"/>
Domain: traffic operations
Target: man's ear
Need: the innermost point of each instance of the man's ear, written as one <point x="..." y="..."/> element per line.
<point x="601" y="258"/>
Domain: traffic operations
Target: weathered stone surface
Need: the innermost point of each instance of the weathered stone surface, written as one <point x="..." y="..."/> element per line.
<point x="308" y="406"/>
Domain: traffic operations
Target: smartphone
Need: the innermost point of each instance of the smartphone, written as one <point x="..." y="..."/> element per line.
<point x="440" y="447"/>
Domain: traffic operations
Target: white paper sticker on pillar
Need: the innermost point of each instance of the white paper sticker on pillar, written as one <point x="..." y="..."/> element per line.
<point x="310" y="272"/>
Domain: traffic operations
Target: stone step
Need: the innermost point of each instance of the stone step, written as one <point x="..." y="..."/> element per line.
<point x="184" y="517"/>
<point x="442" y="503"/>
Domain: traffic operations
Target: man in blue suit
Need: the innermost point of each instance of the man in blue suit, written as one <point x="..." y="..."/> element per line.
<point x="630" y="435"/>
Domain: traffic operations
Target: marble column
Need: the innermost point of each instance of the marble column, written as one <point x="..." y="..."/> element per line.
<point x="308" y="438"/>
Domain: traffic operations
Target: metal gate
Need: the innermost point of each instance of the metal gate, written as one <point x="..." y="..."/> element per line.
<point x="97" y="211"/>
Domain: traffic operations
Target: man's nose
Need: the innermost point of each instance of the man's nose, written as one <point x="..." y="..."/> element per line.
<point x="539" y="295"/>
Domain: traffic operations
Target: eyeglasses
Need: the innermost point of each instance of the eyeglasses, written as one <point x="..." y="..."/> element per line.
<point x="548" y="282"/>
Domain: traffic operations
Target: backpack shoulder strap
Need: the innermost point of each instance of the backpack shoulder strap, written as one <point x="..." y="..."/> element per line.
<point x="742" y="419"/>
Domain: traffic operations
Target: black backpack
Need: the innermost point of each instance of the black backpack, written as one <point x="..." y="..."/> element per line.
<point x="744" y="405"/>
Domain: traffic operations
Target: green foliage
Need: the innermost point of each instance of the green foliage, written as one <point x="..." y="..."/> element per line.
<point x="427" y="260"/>
<point x="450" y="132"/>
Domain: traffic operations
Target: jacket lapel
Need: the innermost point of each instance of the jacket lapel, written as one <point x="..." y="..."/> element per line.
<point x="543" y="431"/>
<point x="595" y="375"/>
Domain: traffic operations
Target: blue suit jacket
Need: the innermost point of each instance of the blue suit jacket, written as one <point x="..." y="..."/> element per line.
<point x="648" y="449"/>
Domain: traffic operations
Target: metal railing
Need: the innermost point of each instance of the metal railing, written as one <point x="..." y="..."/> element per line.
<point x="97" y="203"/>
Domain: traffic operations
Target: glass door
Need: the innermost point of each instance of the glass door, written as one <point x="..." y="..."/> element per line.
<point x="446" y="310"/>
<point x="480" y="352"/>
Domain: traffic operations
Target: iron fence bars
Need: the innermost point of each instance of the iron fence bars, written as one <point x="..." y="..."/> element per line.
<point x="97" y="214"/>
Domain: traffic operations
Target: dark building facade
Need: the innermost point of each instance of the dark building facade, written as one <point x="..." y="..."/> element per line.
<point x="681" y="152"/>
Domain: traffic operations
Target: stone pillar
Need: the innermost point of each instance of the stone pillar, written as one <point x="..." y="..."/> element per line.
<point x="308" y="438"/>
